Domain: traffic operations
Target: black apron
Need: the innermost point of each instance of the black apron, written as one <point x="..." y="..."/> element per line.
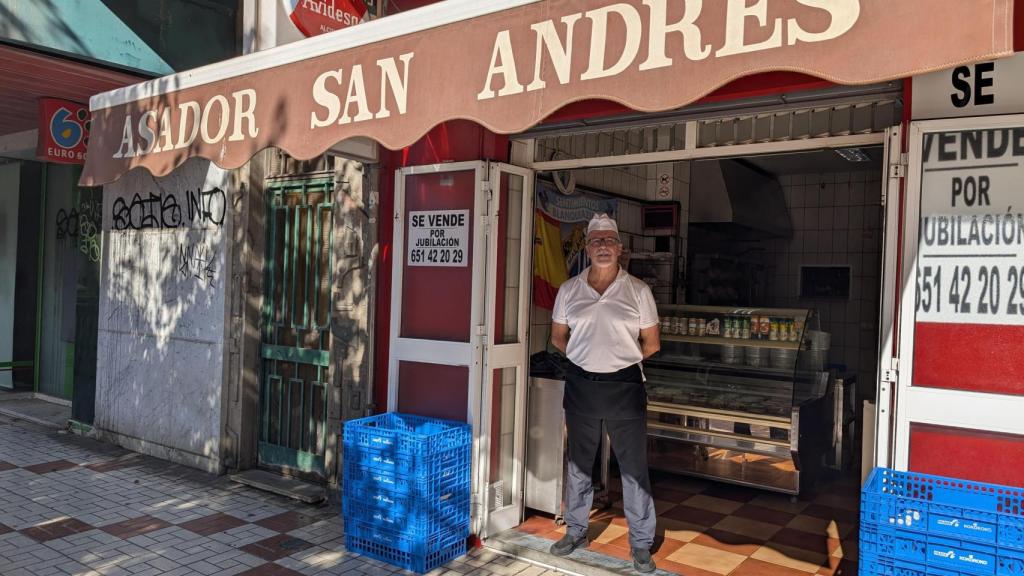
<point x="609" y="396"/>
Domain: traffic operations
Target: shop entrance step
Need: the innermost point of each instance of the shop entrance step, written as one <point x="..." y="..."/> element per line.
<point x="36" y="408"/>
<point x="582" y="561"/>
<point x="277" y="484"/>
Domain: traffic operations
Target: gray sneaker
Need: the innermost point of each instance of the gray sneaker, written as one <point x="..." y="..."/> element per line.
<point x="642" y="561"/>
<point x="567" y="544"/>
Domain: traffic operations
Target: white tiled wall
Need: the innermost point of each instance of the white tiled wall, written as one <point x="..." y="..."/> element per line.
<point x="837" y="220"/>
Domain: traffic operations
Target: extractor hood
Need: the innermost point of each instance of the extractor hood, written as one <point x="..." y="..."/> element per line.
<point x="729" y="193"/>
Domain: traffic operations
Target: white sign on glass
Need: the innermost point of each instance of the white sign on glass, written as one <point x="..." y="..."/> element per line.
<point x="438" y="238"/>
<point x="970" y="266"/>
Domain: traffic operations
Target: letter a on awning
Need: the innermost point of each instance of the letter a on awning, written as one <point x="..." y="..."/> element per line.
<point x="507" y="64"/>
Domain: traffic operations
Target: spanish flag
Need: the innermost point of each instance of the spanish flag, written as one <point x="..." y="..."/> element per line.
<point x="548" y="260"/>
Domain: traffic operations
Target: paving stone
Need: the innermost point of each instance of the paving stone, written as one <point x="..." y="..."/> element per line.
<point x="97" y="510"/>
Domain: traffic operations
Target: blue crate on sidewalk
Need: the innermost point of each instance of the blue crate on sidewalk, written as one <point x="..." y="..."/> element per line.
<point x="406" y="484"/>
<point x="412" y="438"/>
<point x="920" y="524"/>
<point x="412" y="553"/>
<point x="403" y="481"/>
<point x="409" y="515"/>
<point x="406" y="474"/>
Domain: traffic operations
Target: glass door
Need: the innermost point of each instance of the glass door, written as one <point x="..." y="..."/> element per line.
<point x="503" y="392"/>
<point x="960" y="381"/>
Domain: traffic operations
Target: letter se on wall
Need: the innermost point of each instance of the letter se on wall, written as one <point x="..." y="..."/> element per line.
<point x="981" y="89"/>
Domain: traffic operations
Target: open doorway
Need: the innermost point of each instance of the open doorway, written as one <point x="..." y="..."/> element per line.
<point x="754" y="437"/>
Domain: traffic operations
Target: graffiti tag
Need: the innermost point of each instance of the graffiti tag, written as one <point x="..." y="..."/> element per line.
<point x="163" y="210"/>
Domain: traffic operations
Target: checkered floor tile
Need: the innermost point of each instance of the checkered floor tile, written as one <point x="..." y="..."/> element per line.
<point x="715" y="529"/>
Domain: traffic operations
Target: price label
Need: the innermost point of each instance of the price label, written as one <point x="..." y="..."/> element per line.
<point x="970" y="266"/>
<point x="438" y="238"/>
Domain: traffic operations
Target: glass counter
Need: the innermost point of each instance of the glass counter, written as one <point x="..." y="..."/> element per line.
<point x="738" y="394"/>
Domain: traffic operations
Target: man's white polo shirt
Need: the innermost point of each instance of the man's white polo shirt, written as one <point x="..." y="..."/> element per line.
<point x="605" y="328"/>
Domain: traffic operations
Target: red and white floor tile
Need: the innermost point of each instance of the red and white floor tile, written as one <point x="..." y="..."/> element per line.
<point x="708" y="528"/>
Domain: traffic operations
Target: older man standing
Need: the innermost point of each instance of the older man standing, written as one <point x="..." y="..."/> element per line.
<point x="606" y="323"/>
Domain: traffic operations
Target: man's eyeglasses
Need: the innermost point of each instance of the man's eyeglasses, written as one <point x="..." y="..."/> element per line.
<point x="598" y="242"/>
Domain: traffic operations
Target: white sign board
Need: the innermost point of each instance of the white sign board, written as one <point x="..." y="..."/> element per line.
<point x="438" y="238"/>
<point x="980" y="89"/>
<point x="970" y="266"/>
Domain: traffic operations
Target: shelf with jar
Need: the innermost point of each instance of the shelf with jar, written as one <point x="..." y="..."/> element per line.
<point x="737" y="384"/>
<point x="778" y="328"/>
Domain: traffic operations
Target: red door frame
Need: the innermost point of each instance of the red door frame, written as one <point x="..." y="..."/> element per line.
<point x="461" y="140"/>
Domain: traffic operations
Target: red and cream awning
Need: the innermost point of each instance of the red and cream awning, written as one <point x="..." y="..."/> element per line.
<point x="507" y="64"/>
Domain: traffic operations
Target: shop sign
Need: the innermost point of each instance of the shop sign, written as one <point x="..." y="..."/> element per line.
<point x="314" y="17"/>
<point x="979" y="89"/>
<point x="509" y="69"/>
<point x="63" y="131"/>
<point x="971" y="247"/>
<point x="438" y="238"/>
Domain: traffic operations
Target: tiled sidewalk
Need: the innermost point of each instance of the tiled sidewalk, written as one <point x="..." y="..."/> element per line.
<point x="71" y="505"/>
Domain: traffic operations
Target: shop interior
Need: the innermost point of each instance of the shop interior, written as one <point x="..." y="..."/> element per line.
<point x="766" y="270"/>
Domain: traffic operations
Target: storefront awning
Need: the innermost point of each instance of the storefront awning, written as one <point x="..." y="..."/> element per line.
<point x="507" y="64"/>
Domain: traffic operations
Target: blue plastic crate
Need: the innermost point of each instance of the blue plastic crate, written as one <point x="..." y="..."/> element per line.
<point x="405" y="434"/>
<point x="410" y="516"/>
<point x="892" y="551"/>
<point x="872" y="565"/>
<point x="412" y="553"/>
<point x="420" y="467"/>
<point x="934" y="505"/>
<point x="366" y="484"/>
<point x="401" y="481"/>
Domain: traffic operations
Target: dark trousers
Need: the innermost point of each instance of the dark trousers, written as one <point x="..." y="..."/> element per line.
<point x="629" y="440"/>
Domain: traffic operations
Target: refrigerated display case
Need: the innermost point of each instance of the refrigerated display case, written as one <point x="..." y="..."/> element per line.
<point x="742" y="405"/>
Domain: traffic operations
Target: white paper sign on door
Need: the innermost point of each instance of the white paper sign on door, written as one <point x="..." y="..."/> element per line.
<point x="970" y="265"/>
<point x="438" y="238"/>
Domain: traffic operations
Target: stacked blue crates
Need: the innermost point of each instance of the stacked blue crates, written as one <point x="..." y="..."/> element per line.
<point x="406" y="489"/>
<point x="915" y="524"/>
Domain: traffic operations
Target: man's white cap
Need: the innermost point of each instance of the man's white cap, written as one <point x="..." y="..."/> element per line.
<point x="602" y="223"/>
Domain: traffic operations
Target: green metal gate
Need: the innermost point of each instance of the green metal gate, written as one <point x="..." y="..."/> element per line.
<point x="296" y="326"/>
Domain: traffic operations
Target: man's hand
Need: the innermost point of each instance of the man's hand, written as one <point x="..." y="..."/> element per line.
<point x="650" y="340"/>
<point x="559" y="336"/>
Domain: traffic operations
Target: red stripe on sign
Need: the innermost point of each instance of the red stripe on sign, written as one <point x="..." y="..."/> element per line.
<point x="974" y="357"/>
<point x="967" y="454"/>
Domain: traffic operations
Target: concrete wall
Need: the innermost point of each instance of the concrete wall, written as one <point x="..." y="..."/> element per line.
<point x="9" y="190"/>
<point x="162" y="313"/>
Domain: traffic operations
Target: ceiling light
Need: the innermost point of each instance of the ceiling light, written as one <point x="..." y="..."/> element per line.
<point x="853" y="155"/>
